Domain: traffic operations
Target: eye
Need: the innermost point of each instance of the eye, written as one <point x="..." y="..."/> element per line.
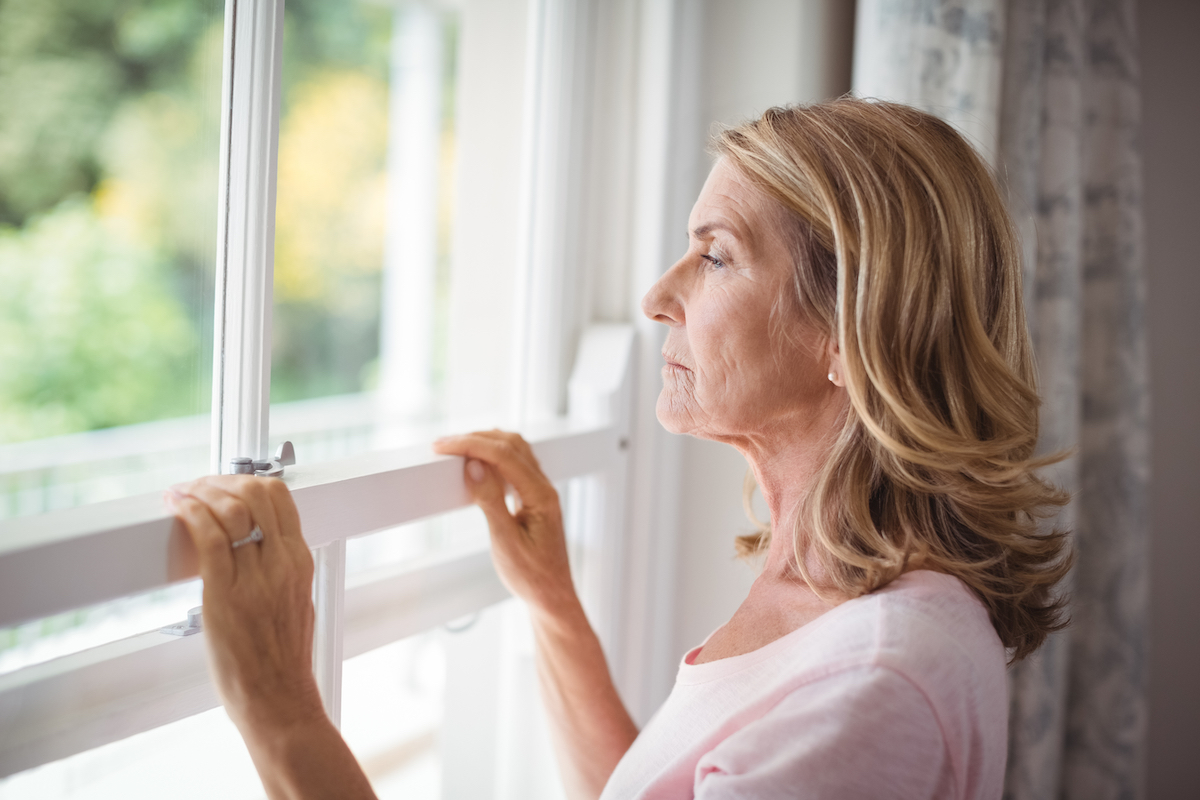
<point x="716" y="262"/>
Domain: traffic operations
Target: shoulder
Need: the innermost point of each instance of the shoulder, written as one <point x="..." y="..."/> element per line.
<point x="929" y="629"/>
<point x="937" y="633"/>
<point x="922" y="647"/>
<point x="900" y="693"/>
<point x="921" y="625"/>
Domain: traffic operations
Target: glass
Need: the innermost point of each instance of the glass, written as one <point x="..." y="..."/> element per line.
<point x="109" y="160"/>
<point x="391" y="718"/>
<point x="199" y="757"/>
<point x="392" y="715"/>
<point x="362" y="224"/>
<point x="458" y="532"/>
<point x="74" y="631"/>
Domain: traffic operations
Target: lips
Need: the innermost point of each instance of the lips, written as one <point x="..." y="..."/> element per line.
<point x="673" y="363"/>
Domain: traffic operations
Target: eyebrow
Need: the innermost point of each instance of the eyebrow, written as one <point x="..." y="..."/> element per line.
<point x="708" y="228"/>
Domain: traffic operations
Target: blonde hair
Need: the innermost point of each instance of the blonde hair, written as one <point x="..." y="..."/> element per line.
<point x="904" y="251"/>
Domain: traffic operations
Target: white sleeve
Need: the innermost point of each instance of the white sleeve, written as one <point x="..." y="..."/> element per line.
<point x="863" y="733"/>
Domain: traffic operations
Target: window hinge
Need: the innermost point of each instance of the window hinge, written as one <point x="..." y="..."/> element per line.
<point x="284" y="456"/>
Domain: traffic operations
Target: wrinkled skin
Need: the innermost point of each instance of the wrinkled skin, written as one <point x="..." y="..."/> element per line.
<point x="258" y="632"/>
<point x="770" y="386"/>
<point x="733" y="375"/>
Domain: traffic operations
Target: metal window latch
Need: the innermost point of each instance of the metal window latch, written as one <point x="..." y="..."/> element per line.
<point x="285" y="456"/>
<point x="194" y="624"/>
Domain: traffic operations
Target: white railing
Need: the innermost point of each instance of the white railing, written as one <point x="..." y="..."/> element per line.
<point x="73" y="558"/>
<point x="62" y="472"/>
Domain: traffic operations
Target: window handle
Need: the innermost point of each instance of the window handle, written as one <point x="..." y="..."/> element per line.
<point x="285" y="456"/>
<point x="194" y="624"/>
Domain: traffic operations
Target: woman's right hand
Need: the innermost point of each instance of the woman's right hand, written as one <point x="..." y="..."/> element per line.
<point x="529" y="547"/>
<point x="258" y="611"/>
<point x="258" y="630"/>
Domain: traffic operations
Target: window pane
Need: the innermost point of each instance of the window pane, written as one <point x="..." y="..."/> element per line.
<point x="62" y="634"/>
<point x="362" y="224"/>
<point x="392" y="715"/>
<point x="109" y="151"/>
<point x="457" y="532"/>
<point x="176" y="761"/>
<point x="329" y="206"/>
<point x="453" y="712"/>
<point x="391" y="718"/>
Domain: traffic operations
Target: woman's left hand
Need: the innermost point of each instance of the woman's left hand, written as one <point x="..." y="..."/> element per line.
<point x="258" y="613"/>
<point x="529" y="548"/>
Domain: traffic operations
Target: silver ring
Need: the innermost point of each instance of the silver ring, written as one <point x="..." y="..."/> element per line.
<point x="256" y="535"/>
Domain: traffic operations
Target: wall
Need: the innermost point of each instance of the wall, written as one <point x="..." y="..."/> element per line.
<point x="784" y="51"/>
<point x="1170" y="121"/>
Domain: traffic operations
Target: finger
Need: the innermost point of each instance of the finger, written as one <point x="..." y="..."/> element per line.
<point x="235" y="517"/>
<point x="255" y="494"/>
<point x="524" y="453"/>
<point x="291" y="533"/>
<point x="512" y="458"/>
<point x="211" y="541"/>
<point x="487" y="490"/>
<point x="516" y="440"/>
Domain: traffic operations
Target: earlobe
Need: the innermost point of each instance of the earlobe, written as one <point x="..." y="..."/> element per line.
<point x="835" y="363"/>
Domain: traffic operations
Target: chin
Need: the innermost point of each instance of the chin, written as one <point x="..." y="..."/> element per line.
<point x="673" y="418"/>
<point x="665" y="418"/>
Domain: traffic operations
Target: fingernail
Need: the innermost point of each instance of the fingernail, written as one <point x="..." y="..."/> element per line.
<point x="475" y="471"/>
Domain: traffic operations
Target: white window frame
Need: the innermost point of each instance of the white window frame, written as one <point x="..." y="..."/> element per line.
<point x="81" y="701"/>
<point x="629" y="134"/>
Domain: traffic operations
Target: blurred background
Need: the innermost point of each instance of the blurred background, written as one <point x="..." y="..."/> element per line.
<point x="109" y="145"/>
<point x="109" y="150"/>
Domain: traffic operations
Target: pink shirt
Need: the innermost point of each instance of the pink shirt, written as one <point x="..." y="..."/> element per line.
<point x="897" y="694"/>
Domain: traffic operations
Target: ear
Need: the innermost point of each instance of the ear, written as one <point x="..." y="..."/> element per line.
<point x="837" y="374"/>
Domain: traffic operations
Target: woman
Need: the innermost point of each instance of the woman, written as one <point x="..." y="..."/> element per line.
<point x="848" y="316"/>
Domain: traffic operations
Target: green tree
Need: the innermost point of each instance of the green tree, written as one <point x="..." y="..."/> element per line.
<point x="91" y="338"/>
<point x="109" y="141"/>
<point x="66" y="67"/>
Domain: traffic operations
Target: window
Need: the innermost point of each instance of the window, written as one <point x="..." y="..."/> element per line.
<point x="109" y="154"/>
<point x="418" y="215"/>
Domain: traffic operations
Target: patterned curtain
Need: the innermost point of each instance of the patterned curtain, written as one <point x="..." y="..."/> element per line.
<point x="1048" y="92"/>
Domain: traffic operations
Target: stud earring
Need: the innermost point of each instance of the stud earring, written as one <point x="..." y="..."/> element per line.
<point x="833" y="377"/>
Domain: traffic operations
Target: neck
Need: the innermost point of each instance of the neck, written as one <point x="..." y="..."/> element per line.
<point x="784" y="477"/>
<point x="785" y="468"/>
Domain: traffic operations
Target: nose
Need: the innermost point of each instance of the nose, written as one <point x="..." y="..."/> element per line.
<point x="662" y="302"/>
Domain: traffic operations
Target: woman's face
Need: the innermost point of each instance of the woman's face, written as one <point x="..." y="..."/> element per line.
<point x="731" y="374"/>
